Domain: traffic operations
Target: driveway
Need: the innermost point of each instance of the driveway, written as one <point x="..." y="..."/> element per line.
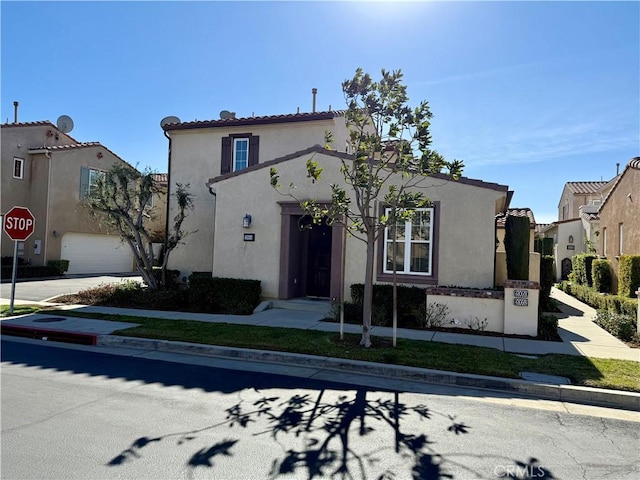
<point x="42" y="290"/>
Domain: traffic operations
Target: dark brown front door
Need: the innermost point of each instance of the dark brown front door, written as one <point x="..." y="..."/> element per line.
<point x="319" y="261"/>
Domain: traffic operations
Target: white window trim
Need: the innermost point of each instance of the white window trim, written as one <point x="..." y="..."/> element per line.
<point x="407" y="245"/>
<point x="233" y="159"/>
<point x="99" y="173"/>
<point x="620" y="238"/>
<point x="21" y="161"/>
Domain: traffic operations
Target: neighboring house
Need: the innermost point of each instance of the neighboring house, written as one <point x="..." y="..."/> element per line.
<point x="246" y="229"/>
<point x="501" y="257"/>
<point x="619" y="216"/>
<point x="48" y="171"/>
<point x="578" y="227"/>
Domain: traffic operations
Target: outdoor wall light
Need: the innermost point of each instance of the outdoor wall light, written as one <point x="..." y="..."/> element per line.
<point x="246" y="221"/>
<point x="570" y="238"/>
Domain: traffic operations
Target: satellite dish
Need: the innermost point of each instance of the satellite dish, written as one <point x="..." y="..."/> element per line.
<point x="224" y="114"/>
<point x="64" y="123"/>
<point x="168" y="120"/>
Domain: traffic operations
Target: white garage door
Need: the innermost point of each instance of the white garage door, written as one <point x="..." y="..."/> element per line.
<point x="96" y="253"/>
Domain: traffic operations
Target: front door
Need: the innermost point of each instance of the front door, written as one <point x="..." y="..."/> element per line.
<point x="319" y="261"/>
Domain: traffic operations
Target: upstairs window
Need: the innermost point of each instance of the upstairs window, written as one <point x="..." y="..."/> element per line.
<point x="620" y="238"/>
<point x="88" y="180"/>
<point x="239" y="151"/>
<point x="414" y="245"/>
<point x="18" y="167"/>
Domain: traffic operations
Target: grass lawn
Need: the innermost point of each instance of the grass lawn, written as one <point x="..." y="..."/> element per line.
<point x="19" y="310"/>
<point x="585" y="371"/>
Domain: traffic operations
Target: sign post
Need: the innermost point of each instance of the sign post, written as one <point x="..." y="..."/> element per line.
<point x="19" y="223"/>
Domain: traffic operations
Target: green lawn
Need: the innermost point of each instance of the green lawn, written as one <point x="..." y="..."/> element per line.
<point x="586" y="371"/>
<point x="19" y="310"/>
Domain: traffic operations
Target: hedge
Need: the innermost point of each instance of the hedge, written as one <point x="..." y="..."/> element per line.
<point x="581" y="268"/>
<point x="224" y="295"/>
<point x="599" y="301"/>
<point x="601" y="275"/>
<point x="411" y="301"/>
<point x="546" y="282"/>
<point x="29" y="272"/>
<point x="628" y="275"/>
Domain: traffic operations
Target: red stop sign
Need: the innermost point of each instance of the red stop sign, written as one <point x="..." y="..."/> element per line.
<point x="19" y="223"/>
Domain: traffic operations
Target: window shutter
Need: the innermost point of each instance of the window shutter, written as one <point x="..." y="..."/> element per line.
<point x="84" y="182"/>
<point x="225" y="159"/>
<point x="254" y="147"/>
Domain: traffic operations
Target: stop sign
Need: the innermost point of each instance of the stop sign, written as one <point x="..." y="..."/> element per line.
<point x="19" y="223"/>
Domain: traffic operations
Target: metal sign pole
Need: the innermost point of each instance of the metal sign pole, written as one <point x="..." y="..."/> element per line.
<point x="13" y="276"/>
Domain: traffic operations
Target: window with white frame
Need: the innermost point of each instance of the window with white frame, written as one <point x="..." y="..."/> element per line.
<point x="89" y="179"/>
<point x="18" y="167"/>
<point x="240" y="153"/>
<point x="413" y="244"/>
<point x="604" y="242"/>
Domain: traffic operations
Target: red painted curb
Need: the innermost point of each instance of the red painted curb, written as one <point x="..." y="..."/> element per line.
<point x="49" y="334"/>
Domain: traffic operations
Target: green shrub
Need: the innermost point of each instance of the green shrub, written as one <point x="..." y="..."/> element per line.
<point x="224" y="295"/>
<point x="544" y="246"/>
<point x="60" y="265"/>
<point x="612" y="303"/>
<point x="628" y="275"/>
<point x="601" y="275"/>
<point x="617" y="324"/>
<point x="410" y="304"/>
<point x="172" y="277"/>
<point x="516" y="244"/>
<point x="547" y="327"/>
<point x="581" y="267"/>
<point x="27" y="271"/>
<point x="546" y="282"/>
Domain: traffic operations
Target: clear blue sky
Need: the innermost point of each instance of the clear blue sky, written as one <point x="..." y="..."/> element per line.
<point x="530" y="95"/>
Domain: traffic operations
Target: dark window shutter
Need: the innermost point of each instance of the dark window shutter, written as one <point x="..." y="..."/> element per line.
<point x="225" y="160"/>
<point x="84" y="182"/>
<point x="254" y="148"/>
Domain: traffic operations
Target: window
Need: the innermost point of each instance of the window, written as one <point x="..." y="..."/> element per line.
<point x="620" y="239"/>
<point x="18" y="167"/>
<point x="604" y="242"/>
<point x="88" y="180"/>
<point x="414" y="246"/>
<point x="239" y="151"/>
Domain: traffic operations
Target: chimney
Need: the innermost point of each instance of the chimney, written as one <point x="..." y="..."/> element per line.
<point x="617" y="168"/>
<point x="15" y="112"/>
<point x="314" y="92"/>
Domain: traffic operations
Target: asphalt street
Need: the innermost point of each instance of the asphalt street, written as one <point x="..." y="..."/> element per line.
<point x="42" y="290"/>
<point x="73" y="413"/>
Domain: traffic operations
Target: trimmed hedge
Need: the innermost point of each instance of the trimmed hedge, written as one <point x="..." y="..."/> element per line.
<point x="60" y="265"/>
<point x="224" y="295"/>
<point x="517" y="231"/>
<point x="581" y="268"/>
<point x="617" y="324"/>
<point x="601" y="275"/>
<point x="172" y="277"/>
<point x="599" y="301"/>
<point x="628" y="275"/>
<point x="24" y="271"/>
<point x="546" y="282"/>
<point x="411" y="301"/>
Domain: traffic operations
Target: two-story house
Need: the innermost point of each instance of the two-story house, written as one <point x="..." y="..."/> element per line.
<point x="49" y="172"/>
<point x="241" y="227"/>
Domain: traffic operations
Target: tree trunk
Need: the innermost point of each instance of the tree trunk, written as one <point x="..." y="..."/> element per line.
<point x="365" y="341"/>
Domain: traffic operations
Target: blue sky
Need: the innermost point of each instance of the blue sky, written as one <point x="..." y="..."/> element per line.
<point x="527" y="94"/>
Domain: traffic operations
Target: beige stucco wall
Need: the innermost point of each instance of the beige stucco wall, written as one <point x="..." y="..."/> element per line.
<point x="623" y="206"/>
<point x="463" y="311"/>
<point x="564" y="230"/>
<point x="195" y="158"/>
<point x="467" y="236"/>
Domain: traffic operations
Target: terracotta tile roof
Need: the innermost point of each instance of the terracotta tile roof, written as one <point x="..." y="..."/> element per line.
<point x="28" y="124"/>
<point x="160" y="178"/>
<point x="589" y="216"/>
<point x="633" y="163"/>
<point x="73" y="146"/>
<point x="515" y="212"/>
<point x="585" y="188"/>
<point x="231" y="122"/>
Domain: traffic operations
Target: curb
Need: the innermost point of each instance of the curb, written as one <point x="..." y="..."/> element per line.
<point x="557" y="392"/>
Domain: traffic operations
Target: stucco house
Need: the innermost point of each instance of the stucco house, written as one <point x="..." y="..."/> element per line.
<point x="48" y="171"/>
<point x="578" y="227"/>
<point x="243" y="228"/>
<point x="619" y="216"/>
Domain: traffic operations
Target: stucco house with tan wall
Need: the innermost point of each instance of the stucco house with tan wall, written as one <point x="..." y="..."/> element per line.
<point x="619" y="216"/>
<point x="48" y="171"/>
<point x="244" y="228"/>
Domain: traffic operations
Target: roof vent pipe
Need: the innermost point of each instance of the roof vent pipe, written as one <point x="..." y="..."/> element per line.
<point x="314" y="92"/>
<point x="15" y="112"/>
<point x="617" y="168"/>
